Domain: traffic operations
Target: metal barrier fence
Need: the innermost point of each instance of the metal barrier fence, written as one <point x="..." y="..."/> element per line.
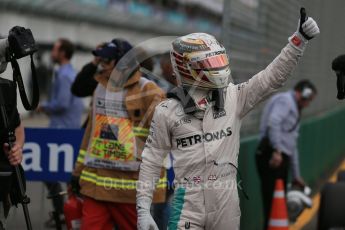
<point x="254" y="32"/>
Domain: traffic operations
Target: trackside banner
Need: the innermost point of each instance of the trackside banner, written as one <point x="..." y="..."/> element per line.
<point x="49" y="154"/>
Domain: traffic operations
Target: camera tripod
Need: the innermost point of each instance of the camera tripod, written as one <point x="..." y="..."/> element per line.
<point x="24" y="199"/>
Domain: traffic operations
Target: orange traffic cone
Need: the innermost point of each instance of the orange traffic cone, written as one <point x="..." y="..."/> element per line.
<point x="279" y="217"/>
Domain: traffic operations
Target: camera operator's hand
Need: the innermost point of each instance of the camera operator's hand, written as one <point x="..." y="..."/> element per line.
<point x="15" y="155"/>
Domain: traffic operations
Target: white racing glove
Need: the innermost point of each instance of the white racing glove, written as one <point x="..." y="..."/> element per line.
<point x="306" y="30"/>
<point x="145" y="220"/>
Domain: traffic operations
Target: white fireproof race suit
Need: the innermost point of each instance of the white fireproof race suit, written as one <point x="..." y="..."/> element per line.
<point x="206" y="195"/>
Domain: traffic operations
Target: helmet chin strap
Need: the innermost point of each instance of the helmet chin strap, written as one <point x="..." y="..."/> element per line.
<point x="195" y="100"/>
<point x="199" y="96"/>
<point x="218" y="98"/>
<point x="214" y="95"/>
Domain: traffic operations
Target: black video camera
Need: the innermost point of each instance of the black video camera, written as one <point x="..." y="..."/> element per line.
<point x="20" y="43"/>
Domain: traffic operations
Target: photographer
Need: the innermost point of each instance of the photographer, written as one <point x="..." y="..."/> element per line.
<point x="9" y="157"/>
<point x="19" y="43"/>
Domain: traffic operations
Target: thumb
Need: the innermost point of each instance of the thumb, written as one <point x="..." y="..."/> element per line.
<point x="303" y="14"/>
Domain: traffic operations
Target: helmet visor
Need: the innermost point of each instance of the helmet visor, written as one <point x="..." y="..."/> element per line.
<point x="211" y="63"/>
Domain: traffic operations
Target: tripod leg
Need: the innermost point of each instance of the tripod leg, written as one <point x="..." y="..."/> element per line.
<point x="2" y="216"/>
<point x="27" y="216"/>
<point x="25" y="200"/>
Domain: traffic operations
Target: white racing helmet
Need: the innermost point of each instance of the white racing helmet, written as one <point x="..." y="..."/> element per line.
<point x="200" y="60"/>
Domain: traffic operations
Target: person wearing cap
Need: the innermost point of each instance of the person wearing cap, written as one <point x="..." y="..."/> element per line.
<point x="107" y="168"/>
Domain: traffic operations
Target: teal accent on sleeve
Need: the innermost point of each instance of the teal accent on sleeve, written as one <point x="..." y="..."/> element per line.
<point x="176" y="208"/>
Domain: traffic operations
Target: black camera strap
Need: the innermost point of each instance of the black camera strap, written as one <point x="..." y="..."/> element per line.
<point x="17" y="77"/>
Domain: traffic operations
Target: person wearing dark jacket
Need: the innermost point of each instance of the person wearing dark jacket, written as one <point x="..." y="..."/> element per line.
<point x="85" y="84"/>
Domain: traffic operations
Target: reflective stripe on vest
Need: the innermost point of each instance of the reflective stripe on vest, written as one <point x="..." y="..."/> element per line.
<point x="81" y="156"/>
<point x="140" y="131"/>
<point x="116" y="183"/>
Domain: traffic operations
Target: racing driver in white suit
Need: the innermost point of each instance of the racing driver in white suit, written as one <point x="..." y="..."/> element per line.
<point x="200" y="124"/>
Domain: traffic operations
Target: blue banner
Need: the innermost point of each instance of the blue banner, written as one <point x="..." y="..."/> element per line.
<point x="49" y="154"/>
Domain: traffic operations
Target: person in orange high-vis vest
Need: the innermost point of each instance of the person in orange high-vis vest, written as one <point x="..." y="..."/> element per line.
<point x="107" y="166"/>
